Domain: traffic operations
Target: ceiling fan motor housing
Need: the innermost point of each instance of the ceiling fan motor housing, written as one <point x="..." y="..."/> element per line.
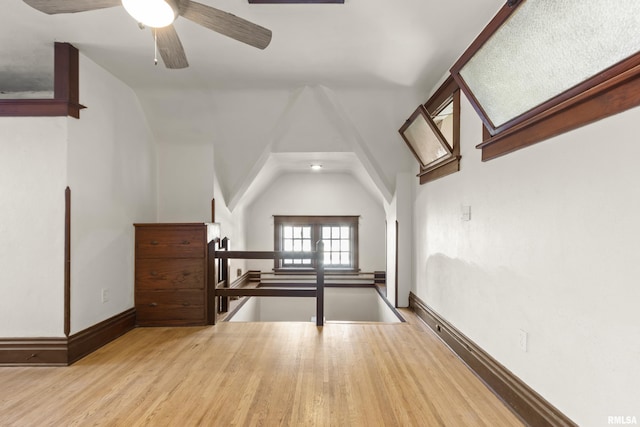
<point x="152" y="13"/>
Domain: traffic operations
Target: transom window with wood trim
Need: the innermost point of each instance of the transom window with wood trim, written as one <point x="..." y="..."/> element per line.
<point x="432" y="133"/>
<point x="541" y="68"/>
<point x="300" y="234"/>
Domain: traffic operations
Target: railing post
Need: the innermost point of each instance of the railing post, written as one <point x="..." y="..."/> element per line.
<point x="212" y="282"/>
<point x="224" y="275"/>
<point x="319" y="283"/>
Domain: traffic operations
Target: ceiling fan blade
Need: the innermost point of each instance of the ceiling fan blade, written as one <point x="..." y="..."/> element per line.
<point x="52" y="7"/>
<point x="170" y="48"/>
<point x="226" y="23"/>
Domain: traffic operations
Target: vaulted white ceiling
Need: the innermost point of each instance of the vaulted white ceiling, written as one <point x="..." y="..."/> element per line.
<point x="314" y="89"/>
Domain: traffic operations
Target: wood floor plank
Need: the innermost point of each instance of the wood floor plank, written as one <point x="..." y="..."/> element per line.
<point x="271" y="374"/>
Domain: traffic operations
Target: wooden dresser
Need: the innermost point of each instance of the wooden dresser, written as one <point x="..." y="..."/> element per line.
<point x="171" y="274"/>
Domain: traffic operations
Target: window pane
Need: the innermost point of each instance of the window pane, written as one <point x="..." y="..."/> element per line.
<point x="306" y="245"/>
<point x="335" y="258"/>
<point x="297" y="232"/>
<point x="288" y="245"/>
<point x="444" y="122"/>
<point x="287" y="231"/>
<point x="335" y="245"/>
<point x="327" y="258"/>
<point x="297" y="261"/>
<point x="425" y="141"/>
<point x="306" y="232"/>
<point x="344" y="245"/>
<point x="326" y="232"/>
<point x="335" y="232"/>
<point x="344" y="258"/>
<point x="552" y="46"/>
<point x="344" y="232"/>
<point x="297" y="245"/>
<point x="306" y="261"/>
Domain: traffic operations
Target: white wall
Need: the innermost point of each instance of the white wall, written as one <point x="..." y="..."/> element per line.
<point x="112" y="176"/>
<point x="244" y="124"/>
<point x="551" y="249"/>
<point x="400" y="210"/>
<point x="317" y="194"/>
<point x="185" y="179"/>
<point x="33" y="157"/>
<point x="404" y="210"/>
<point x="187" y="183"/>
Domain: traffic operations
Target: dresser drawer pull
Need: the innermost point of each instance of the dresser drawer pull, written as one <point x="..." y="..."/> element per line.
<point x="154" y="273"/>
<point x="186" y="242"/>
<point x="186" y="273"/>
<point x="185" y="304"/>
<point x="153" y="304"/>
<point x="154" y="242"/>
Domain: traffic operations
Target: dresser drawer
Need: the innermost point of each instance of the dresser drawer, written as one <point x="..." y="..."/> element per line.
<point x="170" y="242"/>
<point x="170" y="308"/>
<point x="169" y="273"/>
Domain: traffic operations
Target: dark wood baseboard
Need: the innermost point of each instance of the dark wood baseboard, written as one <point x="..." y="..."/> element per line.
<point x="64" y="351"/>
<point x="33" y="351"/>
<point x="91" y="339"/>
<point x="532" y="408"/>
<point x="245" y="279"/>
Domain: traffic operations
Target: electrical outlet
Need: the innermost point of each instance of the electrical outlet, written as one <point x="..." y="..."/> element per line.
<point x="104" y="295"/>
<point x="523" y="338"/>
<point x="239" y="272"/>
<point x="466" y="213"/>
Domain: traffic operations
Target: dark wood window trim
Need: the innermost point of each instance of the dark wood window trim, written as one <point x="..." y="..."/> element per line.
<point x="613" y="90"/>
<point x="446" y="93"/>
<point x="316" y="222"/>
<point x="295" y="1"/>
<point x="65" y="101"/>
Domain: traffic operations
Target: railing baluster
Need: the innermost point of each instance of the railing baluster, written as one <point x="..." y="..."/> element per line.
<point x="224" y="276"/>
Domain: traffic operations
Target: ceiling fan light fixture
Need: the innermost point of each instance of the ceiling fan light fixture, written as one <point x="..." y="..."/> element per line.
<point x="152" y="13"/>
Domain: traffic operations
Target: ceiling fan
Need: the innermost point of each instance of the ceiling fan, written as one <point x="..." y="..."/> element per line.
<point x="160" y="14"/>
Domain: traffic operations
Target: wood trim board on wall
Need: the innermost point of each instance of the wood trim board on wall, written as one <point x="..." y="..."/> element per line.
<point x="532" y="408"/>
<point x="64" y="351"/>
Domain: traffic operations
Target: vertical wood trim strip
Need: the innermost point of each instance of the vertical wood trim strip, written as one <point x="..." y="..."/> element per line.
<point x="396" y="274"/>
<point x="67" y="261"/>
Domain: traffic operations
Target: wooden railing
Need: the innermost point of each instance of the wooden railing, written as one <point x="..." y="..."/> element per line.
<point x="221" y="291"/>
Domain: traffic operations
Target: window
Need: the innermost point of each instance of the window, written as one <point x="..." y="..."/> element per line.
<point x="432" y="133"/>
<point x="297" y="238"/>
<point x="541" y="68"/>
<point x="300" y="234"/>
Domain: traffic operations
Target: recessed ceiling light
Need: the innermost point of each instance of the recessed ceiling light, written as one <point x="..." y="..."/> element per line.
<point x="316" y="166"/>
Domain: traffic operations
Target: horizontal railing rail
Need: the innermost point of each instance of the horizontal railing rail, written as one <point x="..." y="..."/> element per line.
<point x="220" y="290"/>
<point x="264" y="255"/>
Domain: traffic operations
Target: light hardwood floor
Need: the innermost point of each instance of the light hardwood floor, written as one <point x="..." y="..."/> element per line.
<point x="266" y="374"/>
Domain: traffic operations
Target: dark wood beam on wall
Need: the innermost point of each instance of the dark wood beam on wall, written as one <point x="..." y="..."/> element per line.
<point x="66" y="98"/>
<point x="295" y="1"/>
